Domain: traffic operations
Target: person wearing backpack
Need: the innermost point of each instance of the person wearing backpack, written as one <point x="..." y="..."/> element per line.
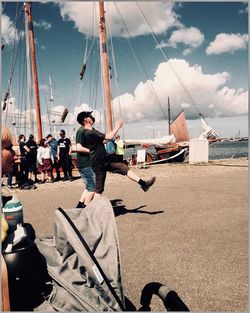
<point x="84" y="167"/>
<point x="98" y="156"/>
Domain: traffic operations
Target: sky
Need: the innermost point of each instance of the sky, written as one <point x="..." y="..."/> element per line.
<point x="194" y="53"/>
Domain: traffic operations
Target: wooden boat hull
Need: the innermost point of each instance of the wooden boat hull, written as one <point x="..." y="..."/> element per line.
<point x="171" y="154"/>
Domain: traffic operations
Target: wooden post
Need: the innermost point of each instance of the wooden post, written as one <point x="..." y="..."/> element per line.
<point x="105" y="65"/>
<point x="27" y="7"/>
<point x="5" y="286"/>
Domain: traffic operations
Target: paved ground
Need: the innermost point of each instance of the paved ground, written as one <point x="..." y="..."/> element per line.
<point x="189" y="231"/>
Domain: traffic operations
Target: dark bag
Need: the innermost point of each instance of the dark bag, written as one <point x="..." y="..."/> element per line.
<point x="27" y="273"/>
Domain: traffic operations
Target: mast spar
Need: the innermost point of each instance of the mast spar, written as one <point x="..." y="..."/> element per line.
<point x="169" y="122"/>
<point x="27" y="9"/>
<point x="105" y="66"/>
<point x="28" y="76"/>
<point x="51" y="99"/>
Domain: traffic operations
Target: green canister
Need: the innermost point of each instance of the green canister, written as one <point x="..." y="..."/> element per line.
<point x="13" y="212"/>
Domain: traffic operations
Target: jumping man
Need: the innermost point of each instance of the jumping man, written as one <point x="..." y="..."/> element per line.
<point x="98" y="155"/>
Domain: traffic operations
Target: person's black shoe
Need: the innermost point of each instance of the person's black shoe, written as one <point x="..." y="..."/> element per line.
<point x="71" y="178"/>
<point x="57" y="179"/>
<point x="148" y="184"/>
<point x="41" y="181"/>
<point x="65" y="178"/>
<point x="81" y="205"/>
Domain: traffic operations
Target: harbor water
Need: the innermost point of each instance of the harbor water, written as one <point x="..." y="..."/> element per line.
<point x="228" y="149"/>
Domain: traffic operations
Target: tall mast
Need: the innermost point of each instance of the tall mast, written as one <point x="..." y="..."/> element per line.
<point x="51" y="99"/>
<point x="28" y="74"/>
<point x="105" y="66"/>
<point x="27" y="7"/>
<point x="169" y="123"/>
<point x="51" y="93"/>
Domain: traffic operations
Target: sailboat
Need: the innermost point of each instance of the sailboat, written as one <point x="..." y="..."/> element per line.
<point x="31" y="73"/>
<point x="20" y="113"/>
<point x="171" y="148"/>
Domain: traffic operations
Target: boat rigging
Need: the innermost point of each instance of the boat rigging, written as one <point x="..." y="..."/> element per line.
<point x="178" y="137"/>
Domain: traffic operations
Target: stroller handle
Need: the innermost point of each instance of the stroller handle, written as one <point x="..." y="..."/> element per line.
<point x="170" y="298"/>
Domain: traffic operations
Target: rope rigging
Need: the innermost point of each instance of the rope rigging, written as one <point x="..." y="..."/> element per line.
<point x="13" y="62"/>
<point x="4" y="5"/>
<point x="15" y="19"/>
<point x="87" y="53"/>
<point x="115" y="69"/>
<point x="45" y="98"/>
<point x="169" y="62"/>
<point x="139" y="63"/>
<point x="93" y="72"/>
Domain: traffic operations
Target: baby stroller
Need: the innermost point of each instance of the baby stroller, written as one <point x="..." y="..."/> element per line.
<point x="80" y="267"/>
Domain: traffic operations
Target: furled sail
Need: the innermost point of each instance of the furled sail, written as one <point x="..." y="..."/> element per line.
<point x="156" y="141"/>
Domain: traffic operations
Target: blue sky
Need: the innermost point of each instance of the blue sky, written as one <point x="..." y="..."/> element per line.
<point x="206" y="42"/>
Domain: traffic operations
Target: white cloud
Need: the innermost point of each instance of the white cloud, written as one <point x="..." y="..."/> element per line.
<point x="162" y="44"/>
<point x="187" y="51"/>
<point x="8" y="30"/>
<point x="185" y="105"/>
<point x="43" y="24"/>
<point x="227" y="43"/>
<point x="191" y="37"/>
<point x="208" y="90"/>
<point x="213" y="98"/>
<point x="245" y="9"/>
<point x="160" y="16"/>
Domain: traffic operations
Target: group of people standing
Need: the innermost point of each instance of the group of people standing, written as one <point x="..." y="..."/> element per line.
<point x="97" y="154"/>
<point x="94" y="160"/>
<point x="44" y="157"/>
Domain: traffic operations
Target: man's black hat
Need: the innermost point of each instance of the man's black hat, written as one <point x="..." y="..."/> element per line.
<point x="82" y="115"/>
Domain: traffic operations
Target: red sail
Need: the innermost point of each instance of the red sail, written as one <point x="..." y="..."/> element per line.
<point x="179" y="128"/>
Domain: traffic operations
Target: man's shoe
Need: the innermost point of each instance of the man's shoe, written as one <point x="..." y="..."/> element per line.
<point x="71" y="178"/>
<point x="41" y="181"/>
<point x="81" y="205"/>
<point x="65" y="178"/>
<point x="148" y="184"/>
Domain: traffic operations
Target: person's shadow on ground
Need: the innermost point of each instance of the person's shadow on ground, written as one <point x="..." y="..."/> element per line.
<point x="120" y="209"/>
